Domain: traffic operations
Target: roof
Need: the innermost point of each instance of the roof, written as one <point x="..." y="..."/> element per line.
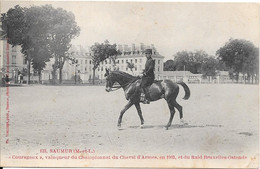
<point x="81" y="55"/>
<point x="138" y="56"/>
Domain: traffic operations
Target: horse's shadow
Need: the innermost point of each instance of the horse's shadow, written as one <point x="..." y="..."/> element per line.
<point x="175" y="126"/>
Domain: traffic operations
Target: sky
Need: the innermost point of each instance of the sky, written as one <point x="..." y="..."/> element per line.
<point x="170" y="26"/>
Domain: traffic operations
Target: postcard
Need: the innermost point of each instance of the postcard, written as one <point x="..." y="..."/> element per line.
<point x="129" y="84"/>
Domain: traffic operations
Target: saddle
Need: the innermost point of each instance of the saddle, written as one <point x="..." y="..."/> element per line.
<point x="145" y="97"/>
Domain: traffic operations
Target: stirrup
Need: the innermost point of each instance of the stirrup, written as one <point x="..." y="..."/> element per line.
<point x="144" y="100"/>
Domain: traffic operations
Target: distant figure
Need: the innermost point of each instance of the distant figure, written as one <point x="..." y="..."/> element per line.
<point x="7" y="79"/>
<point x="21" y="79"/>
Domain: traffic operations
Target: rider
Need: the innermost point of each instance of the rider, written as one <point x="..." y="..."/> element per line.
<point x="148" y="76"/>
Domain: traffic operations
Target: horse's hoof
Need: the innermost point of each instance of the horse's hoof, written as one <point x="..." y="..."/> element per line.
<point x="166" y="127"/>
<point x="119" y="126"/>
<point x="182" y="122"/>
<point x="141" y="126"/>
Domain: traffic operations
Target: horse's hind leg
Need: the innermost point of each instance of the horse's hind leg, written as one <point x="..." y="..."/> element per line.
<point x="179" y="108"/>
<point x="129" y="104"/>
<point x="138" y="108"/>
<point x="172" y="112"/>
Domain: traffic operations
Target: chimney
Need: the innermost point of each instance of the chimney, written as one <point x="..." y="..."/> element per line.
<point x="141" y="46"/>
<point x="125" y="48"/>
<point x="133" y="47"/>
<point x="120" y="48"/>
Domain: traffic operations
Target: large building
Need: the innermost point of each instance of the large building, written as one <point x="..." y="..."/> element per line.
<point x="134" y="56"/>
<point x="12" y="61"/>
<point x="83" y="67"/>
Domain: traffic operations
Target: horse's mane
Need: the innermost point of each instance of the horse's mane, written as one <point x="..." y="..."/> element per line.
<point x="127" y="75"/>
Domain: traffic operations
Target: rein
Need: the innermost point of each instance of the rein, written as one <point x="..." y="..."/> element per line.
<point x="119" y="86"/>
<point x="116" y="87"/>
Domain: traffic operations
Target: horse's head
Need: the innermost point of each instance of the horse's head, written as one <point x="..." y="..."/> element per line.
<point x="109" y="80"/>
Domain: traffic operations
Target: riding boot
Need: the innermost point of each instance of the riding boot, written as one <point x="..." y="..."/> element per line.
<point x="142" y="96"/>
<point x="146" y="101"/>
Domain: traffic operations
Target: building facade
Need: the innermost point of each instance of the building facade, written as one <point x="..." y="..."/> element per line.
<point x="12" y="61"/>
<point x="83" y="68"/>
<point x="134" y="56"/>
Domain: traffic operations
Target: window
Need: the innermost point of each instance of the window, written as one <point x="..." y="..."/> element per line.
<point x="135" y="60"/>
<point x="140" y="60"/>
<point x="158" y="68"/>
<point x="122" y="61"/>
<point x="126" y="68"/>
<point x="14" y="49"/>
<point x="105" y="61"/>
<point x="90" y="62"/>
<point x="86" y="61"/>
<point x="135" y="68"/>
<point x="131" y="60"/>
<point x="158" y="61"/>
<point x="126" y="60"/>
<point x="81" y="61"/>
<point x="13" y="59"/>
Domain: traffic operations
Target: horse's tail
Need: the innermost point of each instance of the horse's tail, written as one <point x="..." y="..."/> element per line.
<point x="186" y="89"/>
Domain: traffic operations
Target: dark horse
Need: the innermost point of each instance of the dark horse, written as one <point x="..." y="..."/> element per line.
<point x="159" y="89"/>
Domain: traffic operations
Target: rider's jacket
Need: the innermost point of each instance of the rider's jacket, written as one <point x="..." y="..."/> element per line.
<point x="149" y="68"/>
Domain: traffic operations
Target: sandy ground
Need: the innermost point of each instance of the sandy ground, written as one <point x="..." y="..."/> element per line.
<point x="222" y="121"/>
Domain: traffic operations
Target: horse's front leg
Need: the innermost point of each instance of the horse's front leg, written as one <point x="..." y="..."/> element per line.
<point x="138" y="108"/>
<point x="129" y="104"/>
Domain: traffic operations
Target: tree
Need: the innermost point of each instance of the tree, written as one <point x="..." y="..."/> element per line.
<point x="63" y="28"/>
<point x="37" y="25"/>
<point x="39" y="60"/>
<point x="16" y="30"/>
<point x="191" y="61"/>
<point x="209" y="67"/>
<point x="198" y="59"/>
<point x="169" y="65"/>
<point x="100" y="52"/>
<point x="240" y="56"/>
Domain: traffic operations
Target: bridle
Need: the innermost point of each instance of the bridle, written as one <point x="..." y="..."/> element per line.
<point x="118" y="86"/>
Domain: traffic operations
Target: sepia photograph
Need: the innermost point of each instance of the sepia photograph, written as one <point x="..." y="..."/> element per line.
<point x="129" y="84"/>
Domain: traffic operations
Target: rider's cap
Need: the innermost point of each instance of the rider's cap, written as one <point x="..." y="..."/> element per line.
<point x="148" y="51"/>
